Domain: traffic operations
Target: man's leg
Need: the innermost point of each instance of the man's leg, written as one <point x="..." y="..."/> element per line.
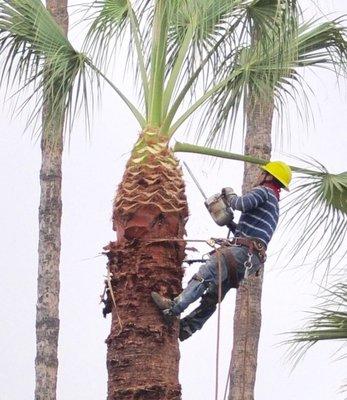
<point x="208" y="274"/>
<point x="197" y="318"/>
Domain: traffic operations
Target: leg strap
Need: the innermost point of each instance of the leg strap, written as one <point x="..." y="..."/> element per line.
<point x="199" y="278"/>
<point x="232" y="266"/>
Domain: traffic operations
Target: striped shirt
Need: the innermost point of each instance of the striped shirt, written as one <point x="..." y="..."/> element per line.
<point x="260" y="212"/>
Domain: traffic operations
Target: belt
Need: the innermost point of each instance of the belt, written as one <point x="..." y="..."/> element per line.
<point x="254" y="245"/>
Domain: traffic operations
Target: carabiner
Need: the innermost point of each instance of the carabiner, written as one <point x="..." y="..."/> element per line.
<point x="248" y="265"/>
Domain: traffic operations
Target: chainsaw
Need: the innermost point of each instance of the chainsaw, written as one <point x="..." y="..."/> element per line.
<point x="221" y="214"/>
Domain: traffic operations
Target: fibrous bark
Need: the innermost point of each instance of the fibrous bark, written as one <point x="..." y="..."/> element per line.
<point x="50" y="210"/>
<point x="150" y="211"/>
<point x="247" y="317"/>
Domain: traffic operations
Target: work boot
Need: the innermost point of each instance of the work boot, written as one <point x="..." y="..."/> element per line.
<point x="164" y="304"/>
<point x="185" y="330"/>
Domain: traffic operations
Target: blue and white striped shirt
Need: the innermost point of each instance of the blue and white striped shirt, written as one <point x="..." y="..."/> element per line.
<point x="260" y="212"/>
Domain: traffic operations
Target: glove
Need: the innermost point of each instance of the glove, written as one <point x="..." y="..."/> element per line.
<point x="228" y="194"/>
<point x="232" y="226"/>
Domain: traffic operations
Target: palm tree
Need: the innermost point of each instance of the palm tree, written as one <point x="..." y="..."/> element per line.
<point x="50" y="211"/>
<point x="176" y="45"/>
<point x="247" y="317"/>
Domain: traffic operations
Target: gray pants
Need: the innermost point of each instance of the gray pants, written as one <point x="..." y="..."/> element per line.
<point x="204" y="284"/>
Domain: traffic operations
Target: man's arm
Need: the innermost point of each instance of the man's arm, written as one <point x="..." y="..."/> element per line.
<point x="253" y="199"/>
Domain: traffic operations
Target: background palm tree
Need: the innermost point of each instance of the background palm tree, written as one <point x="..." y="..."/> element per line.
<point x="50" y="211"/>
<point x="309" y="48"/>
<point x="187" y="39"/>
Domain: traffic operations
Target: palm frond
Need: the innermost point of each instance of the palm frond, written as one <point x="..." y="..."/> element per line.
<point x="270" y="68"/>
<point x="315" y="212"/>
<point x="209" y="19"/>
<point x="328" y="322"/>
<point x="324" y="44"/>
<point x="256" y="66"/>
<point x="214" y="29"/>
<point x="36" y="52"/>
<point x="110" y="18"/>
<point x="265" y="15"/>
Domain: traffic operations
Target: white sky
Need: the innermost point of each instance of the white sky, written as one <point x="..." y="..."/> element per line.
<point x="92" y="170"/>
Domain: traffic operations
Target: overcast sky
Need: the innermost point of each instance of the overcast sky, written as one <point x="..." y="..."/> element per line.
<point x="92" y="171"/>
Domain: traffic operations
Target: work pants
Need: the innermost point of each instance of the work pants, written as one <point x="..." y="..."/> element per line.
<point x="205" y="284"/>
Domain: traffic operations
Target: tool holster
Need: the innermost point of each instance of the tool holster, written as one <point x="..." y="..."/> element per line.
<point x="254" y="246"/>
<point x="225" y="251"/>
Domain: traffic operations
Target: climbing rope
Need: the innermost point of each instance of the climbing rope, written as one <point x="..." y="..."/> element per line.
<point x="218" y="319"/>
<point x="109" y="285"/>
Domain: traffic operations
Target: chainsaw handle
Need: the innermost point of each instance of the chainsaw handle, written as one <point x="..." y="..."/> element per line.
<point x="232" y="226"/>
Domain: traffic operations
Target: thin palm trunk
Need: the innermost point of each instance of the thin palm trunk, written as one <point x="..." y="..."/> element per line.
<point x="50" y="211"/>
<point x="150" y="205"/>
<point x="247" y="317"/>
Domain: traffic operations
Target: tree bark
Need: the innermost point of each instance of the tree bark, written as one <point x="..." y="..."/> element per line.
<point x="247" y="317"/>
<point x="50" y="211"/>
<point x="150" y="207"/>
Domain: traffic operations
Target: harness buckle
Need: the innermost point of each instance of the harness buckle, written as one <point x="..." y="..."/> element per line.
<point x="198" y="278"/>
<point x="248" y="265"/>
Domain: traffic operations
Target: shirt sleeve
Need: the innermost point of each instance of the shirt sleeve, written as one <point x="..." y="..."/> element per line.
<point x="253" y="199"/>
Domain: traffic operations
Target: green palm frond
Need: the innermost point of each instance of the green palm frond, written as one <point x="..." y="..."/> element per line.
<point x="315" y="210"/>
<point x="209" y="20"/>
<point x="110" y="18"/>
<point x="229" y="61"/>
<point x="328" y="322"/>
<point x="323" y="44"/>
<point x="37" y="53"/>
<point x="270" y="68"/>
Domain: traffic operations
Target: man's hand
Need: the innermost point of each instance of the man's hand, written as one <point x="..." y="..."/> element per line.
<point x="228" y="193"/>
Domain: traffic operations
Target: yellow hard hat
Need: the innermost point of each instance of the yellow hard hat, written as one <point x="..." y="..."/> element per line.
<point x="279" y="170"/>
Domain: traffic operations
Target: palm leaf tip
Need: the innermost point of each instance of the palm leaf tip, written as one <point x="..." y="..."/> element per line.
<point x="38" y="55"/>
<point x="334" y="191"/>
<point x="329" y="321"/>
<point x="109" y="18"/>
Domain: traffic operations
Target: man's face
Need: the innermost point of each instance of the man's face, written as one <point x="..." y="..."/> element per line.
<point x="262" y="177"/>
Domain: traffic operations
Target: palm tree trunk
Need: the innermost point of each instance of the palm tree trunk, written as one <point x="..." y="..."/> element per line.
<point x="247" y="317"/>
<point x="50" y="210"/>
<point x="150" y="207"/>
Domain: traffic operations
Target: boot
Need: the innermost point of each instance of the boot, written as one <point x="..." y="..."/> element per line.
<point x="185" y="330"/>
<point x="164" y="304"/>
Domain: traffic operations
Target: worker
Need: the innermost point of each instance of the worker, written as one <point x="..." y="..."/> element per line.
<point x="243" y="255"/>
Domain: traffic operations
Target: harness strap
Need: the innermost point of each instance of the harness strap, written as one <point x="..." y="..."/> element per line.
<point x="232" y="266"/>
<point x="199" y="278"/>
<point x="254" y="245"/>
